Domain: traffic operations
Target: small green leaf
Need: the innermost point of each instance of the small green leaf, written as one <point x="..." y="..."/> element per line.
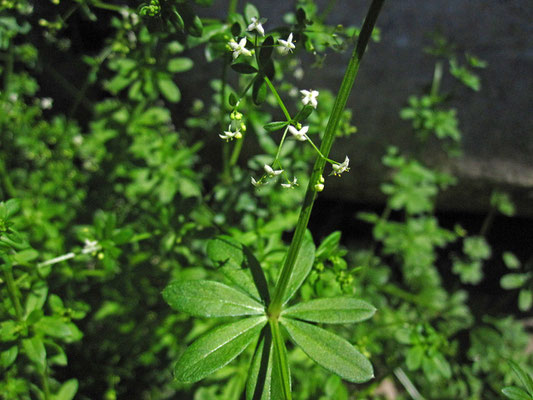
<point x="516" y="393"/>
<point x="477" y="248"/>
<point x="259" y="91"/>
<point x="68" y="390"/>
<point x="442" y="365"/>
<point x="55" y="326"/>
<point x="510" y="260"/>
<point x="330" y="351"/>
<point x="12" y="206"/>
<point x="36" y="298"/>
<point x="337" y="310"/>
<point x="274" y="126"/>
<point x="266" y="51"/>
<point x="35" y="351"/>
<point x="250" y="11"/>
<point x="302" y="266"/>
<point x="414" y="356"/>
<point x="232" y="99"/>
<point x="525" y="300"/>
<point x="168" y="88"/>
<point x="217" y="348"/>
<point x="193" y="24"/>
<point x="210" y="299"/>
<point x="328" y="245"/>
<point x="235" y="29"/>
<point x="303" y="114"/>
<point x="9" y="330"/>
<point x="25" y="256"/>
<point x="179" y="64"/>
<point x="243" y="68"/>
<point x="8" y="357"/>
<point x="513" y="281"/>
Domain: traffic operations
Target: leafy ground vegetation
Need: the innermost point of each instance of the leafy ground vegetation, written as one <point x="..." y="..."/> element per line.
<point x="144" y="257"/>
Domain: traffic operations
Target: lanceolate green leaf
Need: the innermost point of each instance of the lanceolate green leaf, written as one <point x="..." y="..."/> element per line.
<point x="330" y="351"/>
<point x="265" y="378"/>
<point x="516" y="393"/>
<point x="210" y="299"/>
<point x="227" y="254"/>
<point x="523" y="376"/>
<point x="239" y="265"/>
<point x="258" y="385"/>
<point x="302" y="266"/>
<point x="217" y="348"/>
<point x="338" y="310"/>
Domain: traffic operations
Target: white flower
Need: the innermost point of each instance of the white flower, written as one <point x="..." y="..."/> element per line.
<point x="299" y="134"/>
<point x="290" y="184"/>
<point x="271" y="172"/>
<point x="256" y="183"/>
<point x="90" y="246"/>
<point x="239" y="48"/>
<point x="46" y="103"/>
<point x="286" y="46"/>
<point x="229" y="134"/>
<point x="310" y="97"/>
<point x="256" y="25"/>
<point x="338" y="169"/>
<point x="298" y="73"/>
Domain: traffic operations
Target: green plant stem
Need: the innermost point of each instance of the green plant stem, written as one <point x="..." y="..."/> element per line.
<point x="487" y="222"/>
<point x="327" y="10"/>
<point x="407" y="384"/>
<point x="80" y="95"/>
<point x="384" y="217"/>
<point x="12" y="289"/>
<point x="236" y="151"/>
<point x="46" y="386"/>
<point x="278" y="99"/>
<point x="274" y="308"/>
<point x="437" y="77"/>
<point x="281" y="361"/>
<point x="6" y="180"/>
<point x="106" y="6"/>
<point x="10" y="62"/>
<point x="232" y="8"/>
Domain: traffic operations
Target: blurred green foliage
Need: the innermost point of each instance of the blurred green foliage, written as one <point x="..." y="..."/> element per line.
<point x="107" y="201"/>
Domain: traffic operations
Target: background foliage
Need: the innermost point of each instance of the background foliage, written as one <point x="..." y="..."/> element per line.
<point x="111" y="190"/>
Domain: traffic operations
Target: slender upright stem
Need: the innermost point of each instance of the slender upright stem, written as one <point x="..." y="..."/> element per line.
<point x="487" y="222"/>
<point x="274" y="308"/>
<point x="12" y="289"/>
<point x="437" y="77"/>
<point x="232" y="6"/>
<point x="280" y="359"/>
<point x="6" y="180"/>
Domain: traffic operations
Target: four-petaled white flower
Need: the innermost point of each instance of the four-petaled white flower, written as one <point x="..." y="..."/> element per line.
<point x="272" y="172"/>
<point x="338" y="169"/>
<point x="299" y="134"/>
<point x="239" y="48"/>
<point x="310" y="97"/>
<point x="256" y="25"/>
<point x="290" y="184"/>
<point x="230" y="135"/>
<point x="286" y="45"/>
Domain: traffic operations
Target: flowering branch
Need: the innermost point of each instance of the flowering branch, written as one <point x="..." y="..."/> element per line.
<point x="340" y="102"/>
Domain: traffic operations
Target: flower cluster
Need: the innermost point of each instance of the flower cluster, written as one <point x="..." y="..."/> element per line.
<point x="297" y="131"/>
